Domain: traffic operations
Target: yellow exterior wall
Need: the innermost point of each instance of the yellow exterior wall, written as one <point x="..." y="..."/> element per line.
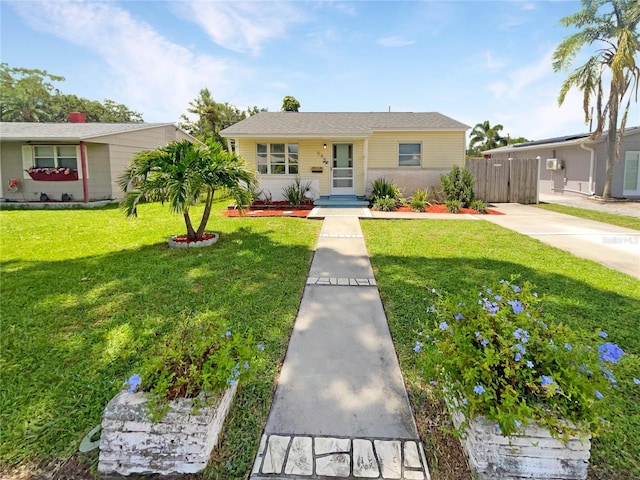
<point x="439" y="149"/>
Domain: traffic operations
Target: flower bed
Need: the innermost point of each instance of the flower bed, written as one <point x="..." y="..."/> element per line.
<point x="53" y="174"/>
<point x="490" y="354"/>
<point x="276" y="205"/>
<point x="437" y="208"/>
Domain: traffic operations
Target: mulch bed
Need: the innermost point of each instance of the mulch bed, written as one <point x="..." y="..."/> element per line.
<point x="283" y="209"/>
<point x="443" y="209"/>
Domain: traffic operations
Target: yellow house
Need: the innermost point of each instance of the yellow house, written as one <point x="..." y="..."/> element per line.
<point x="342" y="153"/>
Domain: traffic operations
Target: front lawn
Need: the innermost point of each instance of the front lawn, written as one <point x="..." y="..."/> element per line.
<point x="411" y="257"/>
<point x="604" y="217"/>
<point x="87" y="293"/>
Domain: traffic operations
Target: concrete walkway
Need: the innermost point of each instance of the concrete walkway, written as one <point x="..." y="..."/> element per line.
<point x="614" y="247"/>
<point x="340" y="409"/>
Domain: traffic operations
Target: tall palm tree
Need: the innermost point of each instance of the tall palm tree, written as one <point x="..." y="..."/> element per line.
<point x="612" y="26"/>
<point x="486" y="136"/>
<point x="181" y="173"/>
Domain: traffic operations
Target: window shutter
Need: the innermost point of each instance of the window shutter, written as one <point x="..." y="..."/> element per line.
<point x="79" y="160"/>
<point x="27" y="160"/>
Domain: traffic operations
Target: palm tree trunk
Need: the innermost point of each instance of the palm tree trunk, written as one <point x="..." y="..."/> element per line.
<point x="205" y="215"/>
<point x="191" y="234"/>
<point x="612" y="154"/>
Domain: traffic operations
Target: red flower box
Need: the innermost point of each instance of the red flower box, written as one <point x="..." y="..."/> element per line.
<point x="53" y="174"/>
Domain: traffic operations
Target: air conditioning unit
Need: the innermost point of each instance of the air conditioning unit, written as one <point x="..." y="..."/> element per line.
<point x="554" y="164"/>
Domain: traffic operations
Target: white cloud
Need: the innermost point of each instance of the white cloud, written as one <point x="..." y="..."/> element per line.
<point x="394" y="41"/>
<point x="146" y="71"/>
<point x="242" y="26"/>
<point x="517" y="81"/>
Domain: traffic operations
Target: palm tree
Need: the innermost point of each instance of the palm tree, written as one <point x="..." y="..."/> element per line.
<point x="181" y="173"/>
<point x="611" y="25"/>
<point x="486" y="136"/>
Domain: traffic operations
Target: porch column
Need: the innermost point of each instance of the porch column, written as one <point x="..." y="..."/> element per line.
<point x="83" y="165"/>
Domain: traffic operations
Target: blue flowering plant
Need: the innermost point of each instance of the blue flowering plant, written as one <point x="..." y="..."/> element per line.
<point x="198" y="360"/>
<point x="491" y="353"/>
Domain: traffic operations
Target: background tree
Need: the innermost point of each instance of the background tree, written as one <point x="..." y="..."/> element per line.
<point x="210" y="117"/>
<point x="28" y="95"/>
<point x="612" y="27"/>
<point x="181" y="173"/>
<point x="290" y="104"/>
<point x="484" y="137"/>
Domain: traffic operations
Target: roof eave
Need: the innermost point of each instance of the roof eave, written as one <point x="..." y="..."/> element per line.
<point x="512" y="148"/>
<point x="294" y="135"/>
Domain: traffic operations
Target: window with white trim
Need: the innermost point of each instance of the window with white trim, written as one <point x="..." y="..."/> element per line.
<point x="55" y="156"/>
<point x="409" y="154"/>
<point x="51" y="157"/>
<point x="277" y="158"/>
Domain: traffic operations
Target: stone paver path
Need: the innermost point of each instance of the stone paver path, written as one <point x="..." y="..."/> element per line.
<point x="340" y="409"/>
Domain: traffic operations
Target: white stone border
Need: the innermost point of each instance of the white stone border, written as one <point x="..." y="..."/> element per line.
<point x="295" y="456"/>
<point x="202" y="243"/>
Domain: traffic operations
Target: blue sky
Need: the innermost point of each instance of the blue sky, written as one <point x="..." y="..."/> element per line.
<point x="470" y="60"/>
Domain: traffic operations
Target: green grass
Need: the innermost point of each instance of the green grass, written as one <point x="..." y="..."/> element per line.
<point x="410" y="257"/>
<point x="613" y="219"/>
<point x="87" y="293"/>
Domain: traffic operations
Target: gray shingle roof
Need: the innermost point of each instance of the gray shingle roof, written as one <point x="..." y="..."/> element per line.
<point x="67" y="131"/>
<point x="357" y="124"/>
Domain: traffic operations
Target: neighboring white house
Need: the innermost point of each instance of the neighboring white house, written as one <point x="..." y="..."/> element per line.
<point x="573" y="164"/>
<point x="81" y="160"/>
<point x="341" y="153"/>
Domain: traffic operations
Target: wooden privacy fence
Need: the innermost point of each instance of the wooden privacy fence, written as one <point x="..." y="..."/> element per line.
<point x="505" y="181"/>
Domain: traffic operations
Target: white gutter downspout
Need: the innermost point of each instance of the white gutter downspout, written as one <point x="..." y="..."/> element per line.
<point x="591" y="166"/>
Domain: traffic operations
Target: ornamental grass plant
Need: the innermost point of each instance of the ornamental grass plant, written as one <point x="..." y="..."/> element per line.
<point x="490" y="352"/>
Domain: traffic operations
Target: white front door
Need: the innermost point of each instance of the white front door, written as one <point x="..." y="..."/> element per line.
<point x="342" y="169"/>
<point x="631" y="174"/>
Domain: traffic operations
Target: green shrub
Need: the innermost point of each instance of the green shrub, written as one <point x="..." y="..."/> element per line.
<point x="436" y="195"/>
<point x="385" y="204"/>
<point x="454" y="206"/>
<point x="418" y="205"/>
<point x="419" y="200"/>
<point x="296" y="193"/>
<point x="491" y="353"/>
<point x="458" y="185"/>
<point x="479" y="206"/>
<point x="381" y="187"/>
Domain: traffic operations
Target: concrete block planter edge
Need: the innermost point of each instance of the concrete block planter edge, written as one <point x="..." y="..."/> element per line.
<point x="180" y="443"/>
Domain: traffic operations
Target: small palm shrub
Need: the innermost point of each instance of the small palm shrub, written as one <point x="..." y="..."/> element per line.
<point x="458" y="185"/>
<point x="479" y="206"/>
<point x="385" y="204"/>
<point x="296" y="193"/>
<point x="453" y="206"/>
<point x="419" y="200"/>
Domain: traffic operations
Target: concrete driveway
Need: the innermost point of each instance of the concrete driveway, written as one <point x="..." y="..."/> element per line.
<point x="630" y="208"/>
<point x="614" y="247"/>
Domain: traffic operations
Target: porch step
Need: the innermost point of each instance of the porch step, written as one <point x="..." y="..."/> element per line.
<point x="341" y="201"/>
